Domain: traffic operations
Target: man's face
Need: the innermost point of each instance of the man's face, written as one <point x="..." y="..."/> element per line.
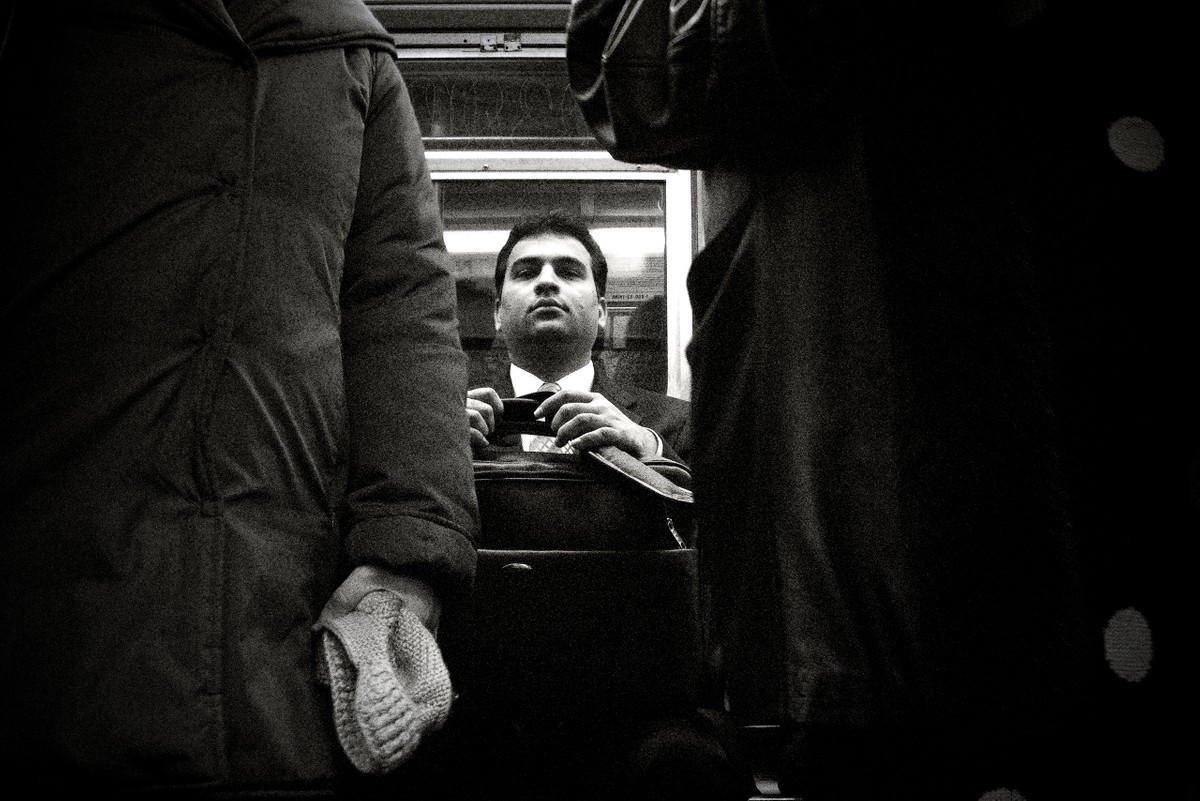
<point x="549" y="296"/>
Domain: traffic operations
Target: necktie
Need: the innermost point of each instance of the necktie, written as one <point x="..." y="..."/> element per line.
<point x="542" y="444"/>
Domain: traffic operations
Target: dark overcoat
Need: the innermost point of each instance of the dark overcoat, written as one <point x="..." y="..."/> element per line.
<point x="880" y="483"/>
<point x="233" y="372"/>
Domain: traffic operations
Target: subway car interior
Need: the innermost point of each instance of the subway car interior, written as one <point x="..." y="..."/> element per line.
<point x="725" y="276"/>
<point x="504" y="136"/>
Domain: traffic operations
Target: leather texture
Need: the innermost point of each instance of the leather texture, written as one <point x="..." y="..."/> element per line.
<point x="580" y="502"/>
<point x="587" y="595"/>
<point x="556" y="634"/>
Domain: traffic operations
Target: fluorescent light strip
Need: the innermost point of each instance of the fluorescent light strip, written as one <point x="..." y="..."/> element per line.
<point x="613" y="241"/>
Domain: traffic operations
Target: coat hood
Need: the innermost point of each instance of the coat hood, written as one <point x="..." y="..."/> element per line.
<point x="293" y="26"/>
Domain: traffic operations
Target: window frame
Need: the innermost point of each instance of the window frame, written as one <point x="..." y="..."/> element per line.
<point x="592" y="166"/>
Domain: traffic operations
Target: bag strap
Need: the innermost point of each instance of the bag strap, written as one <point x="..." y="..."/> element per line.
<point x="634" y="469"/>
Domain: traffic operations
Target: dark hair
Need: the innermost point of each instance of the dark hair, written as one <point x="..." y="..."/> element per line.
<point x="559" y="222"/>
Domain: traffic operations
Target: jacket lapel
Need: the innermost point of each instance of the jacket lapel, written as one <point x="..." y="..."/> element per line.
<point x="621" y="396"/>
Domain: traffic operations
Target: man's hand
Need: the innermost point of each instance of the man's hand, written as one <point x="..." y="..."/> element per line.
<point x="483" y="409"/>
<point x="588" y="420"/>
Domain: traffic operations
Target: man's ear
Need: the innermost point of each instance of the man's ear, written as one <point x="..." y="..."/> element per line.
<point x="601" y="315"/>
<point x="496" y="314"/>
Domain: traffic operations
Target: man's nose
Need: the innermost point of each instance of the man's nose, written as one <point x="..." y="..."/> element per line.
<point x="547" y="279"/>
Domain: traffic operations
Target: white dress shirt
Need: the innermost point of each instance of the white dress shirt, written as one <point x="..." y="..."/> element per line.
<point x="525" y="382"/>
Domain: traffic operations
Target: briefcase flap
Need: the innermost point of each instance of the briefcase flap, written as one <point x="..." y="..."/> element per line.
<point x="558" y="633"/>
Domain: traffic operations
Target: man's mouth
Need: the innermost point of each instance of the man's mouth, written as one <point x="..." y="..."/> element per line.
<point x="546" y="304"/>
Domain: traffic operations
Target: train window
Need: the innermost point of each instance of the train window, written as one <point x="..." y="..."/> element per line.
<point x="640" y="217"/>
<point x="505" y="138"/>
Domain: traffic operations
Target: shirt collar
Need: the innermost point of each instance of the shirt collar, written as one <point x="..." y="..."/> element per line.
<point x="525" y="382"/>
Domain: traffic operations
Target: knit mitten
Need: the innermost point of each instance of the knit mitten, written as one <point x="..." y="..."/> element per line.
<point x="389" y="683"/>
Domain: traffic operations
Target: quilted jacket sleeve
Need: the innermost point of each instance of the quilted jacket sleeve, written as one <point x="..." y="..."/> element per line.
<point x="411" y="495"/>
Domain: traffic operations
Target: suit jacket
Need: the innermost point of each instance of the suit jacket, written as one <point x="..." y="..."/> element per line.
<point x="668" y="416"/>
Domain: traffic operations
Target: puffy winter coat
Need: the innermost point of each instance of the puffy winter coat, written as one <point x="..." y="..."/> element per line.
<point x="227" y="317"/>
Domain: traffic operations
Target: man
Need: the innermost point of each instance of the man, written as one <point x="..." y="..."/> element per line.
<point x="550" y="309"/>
<point x="234" y="390"/>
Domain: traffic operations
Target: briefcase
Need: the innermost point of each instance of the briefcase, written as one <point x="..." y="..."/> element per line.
<point x="586" y="594"/>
